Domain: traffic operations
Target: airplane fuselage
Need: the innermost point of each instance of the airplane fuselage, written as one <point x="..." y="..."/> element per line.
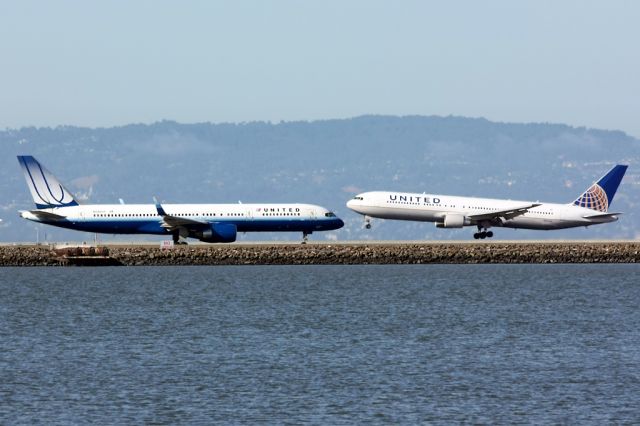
<point x="436" y="208"/>
<point x="144" y="218"/>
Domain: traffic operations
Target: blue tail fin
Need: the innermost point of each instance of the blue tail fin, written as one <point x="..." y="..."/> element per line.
<point x="46" y="191"/>
<point x="600" y="195"/>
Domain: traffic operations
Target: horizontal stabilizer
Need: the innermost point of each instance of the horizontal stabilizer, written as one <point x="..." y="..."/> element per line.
<point x="600" y="215"/>
<point x="43" y="215"/>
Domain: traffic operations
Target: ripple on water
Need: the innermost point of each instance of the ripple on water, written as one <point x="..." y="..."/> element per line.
<point x="320" y="344"/>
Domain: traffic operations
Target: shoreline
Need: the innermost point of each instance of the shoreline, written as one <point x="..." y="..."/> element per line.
<point x="331" y="253"/>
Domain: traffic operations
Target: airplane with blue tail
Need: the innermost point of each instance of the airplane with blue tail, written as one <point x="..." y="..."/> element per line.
<point x="590" y="208"/>
<point x="210" y="223"/>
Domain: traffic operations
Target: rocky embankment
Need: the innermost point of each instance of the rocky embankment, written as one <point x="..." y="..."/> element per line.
<point x="339" y="254"/>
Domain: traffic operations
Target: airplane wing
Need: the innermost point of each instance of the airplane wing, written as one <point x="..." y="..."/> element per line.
<point x="504" y="214"/>
<point x="173" y="223"/>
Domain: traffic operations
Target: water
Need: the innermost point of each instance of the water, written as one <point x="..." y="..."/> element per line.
<point x="320" y="344"/>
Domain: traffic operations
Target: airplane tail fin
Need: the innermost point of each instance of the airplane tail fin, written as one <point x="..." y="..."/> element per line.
<point x="600" y="195"/>
<point x="46" y="190"/>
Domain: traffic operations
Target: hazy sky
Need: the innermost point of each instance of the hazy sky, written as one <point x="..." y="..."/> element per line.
<point x="117" y="62"/>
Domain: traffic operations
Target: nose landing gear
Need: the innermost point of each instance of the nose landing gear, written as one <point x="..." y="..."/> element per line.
<point x="367" y="222"/>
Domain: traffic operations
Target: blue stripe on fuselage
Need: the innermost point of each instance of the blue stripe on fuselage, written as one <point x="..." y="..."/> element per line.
<point x="153" y="226"/>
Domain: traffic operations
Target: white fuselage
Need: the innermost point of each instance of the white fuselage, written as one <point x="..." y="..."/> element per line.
<point x="144" y="218"/>
<point x="435" y="208"/>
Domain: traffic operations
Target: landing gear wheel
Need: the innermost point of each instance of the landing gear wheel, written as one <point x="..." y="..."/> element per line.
<point x="367" y="222"/>
<point x="482" y="234"/>
<point x="305" y="237"/>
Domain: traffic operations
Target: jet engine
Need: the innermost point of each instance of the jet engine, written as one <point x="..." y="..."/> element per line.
<point x="219" y="233"/>
<point x="453" y="221"/>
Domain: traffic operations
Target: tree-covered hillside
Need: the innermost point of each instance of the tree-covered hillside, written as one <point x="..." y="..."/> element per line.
<point x="326" y="163"/>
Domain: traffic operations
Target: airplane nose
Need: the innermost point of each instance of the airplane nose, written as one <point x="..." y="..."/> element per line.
<point x="355" y="205"/>
<point x="340" y="223"/>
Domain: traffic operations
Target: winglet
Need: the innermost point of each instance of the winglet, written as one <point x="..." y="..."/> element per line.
<point x="159" y="207"/>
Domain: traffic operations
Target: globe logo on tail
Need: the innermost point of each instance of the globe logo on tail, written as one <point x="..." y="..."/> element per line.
<point x="594" y="198"/>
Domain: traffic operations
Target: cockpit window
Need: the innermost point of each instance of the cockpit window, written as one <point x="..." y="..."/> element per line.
<point x="358" y="198"/>
<point x="330" y="214"/>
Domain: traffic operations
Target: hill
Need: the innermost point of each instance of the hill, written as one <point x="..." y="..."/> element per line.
<point x="324" y="162"/>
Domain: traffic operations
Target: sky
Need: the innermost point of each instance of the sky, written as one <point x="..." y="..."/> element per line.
<point x="102" y="64"/>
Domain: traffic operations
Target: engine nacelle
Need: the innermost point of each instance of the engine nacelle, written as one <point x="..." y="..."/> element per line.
<point x="219" y="233"/>
<point x="453" y="221"/>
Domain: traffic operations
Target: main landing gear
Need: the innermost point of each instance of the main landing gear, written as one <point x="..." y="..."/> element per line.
<point x="367" y="222"/>
<point x="176" y="239"/>
<point x="482" y="234"/>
